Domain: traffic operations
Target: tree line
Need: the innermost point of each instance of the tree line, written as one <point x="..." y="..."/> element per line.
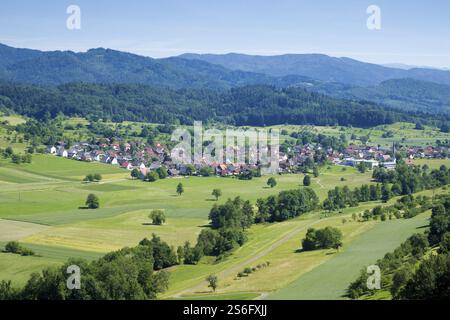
<point x="404" y="180"/>
<point x="256" y="105"/>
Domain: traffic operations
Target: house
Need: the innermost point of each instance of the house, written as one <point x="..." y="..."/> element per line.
<point x="390" y="165"/>
<point x="142" y="166"/>
<point x="86" y="157"/>
<point x="72" y="153"/>
<point x="155" y="165"/>
<point x="222" y="169"/>
<point x="354" y="162"/>
<point x="126" y="165"/>
<point x="51" y="150"/>
<point x="62" y="152"/>
<point x="143" y="173"/>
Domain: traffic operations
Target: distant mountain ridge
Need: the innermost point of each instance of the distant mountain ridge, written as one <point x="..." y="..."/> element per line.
<point x="320" y="67"/>
<point x="337" y="77"/>
<point x="111" y="66"/>
<point x="196" y="70"/>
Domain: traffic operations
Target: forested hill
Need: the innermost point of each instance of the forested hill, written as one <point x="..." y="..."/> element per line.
<point x="249" y="105"/>
<point x="111" y="66"/>
<point x="402" y="94"/>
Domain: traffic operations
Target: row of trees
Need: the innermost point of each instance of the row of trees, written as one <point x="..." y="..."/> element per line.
<point x="404" y="180"/>
<point x="411" y="179"/>
<point x="342" y="197"/>
<point x="286" y="205"/>
<point x="406" y="207"/>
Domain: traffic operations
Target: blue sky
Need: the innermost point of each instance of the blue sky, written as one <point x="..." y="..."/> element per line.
<point x="412" y="32"/>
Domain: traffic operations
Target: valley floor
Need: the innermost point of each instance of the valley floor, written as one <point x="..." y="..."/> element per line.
<point x="40" y="208"/>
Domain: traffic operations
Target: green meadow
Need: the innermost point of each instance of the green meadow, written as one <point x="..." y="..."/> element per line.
<point x="42" y="207"/>
<point x="401" y="132"/>
<point x="329" y="280"/>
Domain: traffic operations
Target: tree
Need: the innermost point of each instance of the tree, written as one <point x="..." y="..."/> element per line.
<point x="217" y="193"/>
<point x="12" y="247"/>
<point x="271" y="182"/>
<point x="92" y="201"/>
<point x="213" y="282"/>
<point x="430" y="281"/>
<point x="180" y="254"/>
<point x="162" y="172"/>
<point x="445" y="128"/>
<point x="419" y="126"/>
<point x="190" y="170"/>
<point x="180" y="189"/>
<point x="315" y="172"/>
<point x="97" y="177"/>
<point x="8" y="152"/>
<point x="135" y="173"/>
<point x="362" y="167"/>
<point x="16" y="159"/>
<point x="89" y="178"/>
<point x="7" y="291"/>
<point x="206" y="171"/>
<point x="307" y="181"/>
<point x="158" y="217"/>
<point x="326" y="238"/>
<point x="152" y="176"/>
<point x="386" y="192"/>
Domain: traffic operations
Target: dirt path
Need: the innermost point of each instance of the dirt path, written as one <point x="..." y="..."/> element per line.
<point x="238" y="267"/>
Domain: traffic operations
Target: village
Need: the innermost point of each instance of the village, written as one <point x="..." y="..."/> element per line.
<point x="146" y="158"/>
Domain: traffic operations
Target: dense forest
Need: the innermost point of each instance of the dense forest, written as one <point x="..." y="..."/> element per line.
<point x="257" y="105"/>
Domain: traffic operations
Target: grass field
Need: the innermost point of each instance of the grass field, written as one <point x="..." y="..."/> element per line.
<point x="403" y="133"/>
<point x="44" y="216"/>
<point x="41" y="207"/>
<point x="330" y="279"/>
<point x="18" y="269"/>
<point x="432" y="163"/>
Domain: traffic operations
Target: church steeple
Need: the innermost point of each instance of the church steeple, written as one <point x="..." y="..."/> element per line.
<point x="393" y="152"/>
